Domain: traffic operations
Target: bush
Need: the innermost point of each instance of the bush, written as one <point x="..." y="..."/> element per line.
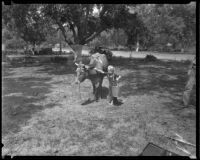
<point x="150" y="58"/>
<point x="15" y="44"/>
<point x="28" y="52"/>
<point x="58" y="59"/>
<point x="11" y="52"/>
<point x="63" y="53"/>
<point x="45" y="51"/>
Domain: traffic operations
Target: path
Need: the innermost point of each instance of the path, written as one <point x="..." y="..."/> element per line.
<point x="163" y="56"/>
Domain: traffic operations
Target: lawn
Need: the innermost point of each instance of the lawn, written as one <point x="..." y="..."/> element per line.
<point x="42" y="112"/>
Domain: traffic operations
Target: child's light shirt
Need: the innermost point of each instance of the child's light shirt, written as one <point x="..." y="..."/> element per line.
<point x="113" y="79"/>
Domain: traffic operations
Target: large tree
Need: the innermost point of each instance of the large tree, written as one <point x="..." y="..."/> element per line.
<point x="81" y="20"/>
<point x="26" y="21"/>
<point x="138" y="33"/>
<point x="78" y="23"/>
<point x="113" y="38"/>
<point x="169" y="23"/>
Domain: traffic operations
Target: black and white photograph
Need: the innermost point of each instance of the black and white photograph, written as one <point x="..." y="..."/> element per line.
<point x="99" y="79"/>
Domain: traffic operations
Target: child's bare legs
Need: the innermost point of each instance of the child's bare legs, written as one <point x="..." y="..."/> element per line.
<point x="110" y="96"/>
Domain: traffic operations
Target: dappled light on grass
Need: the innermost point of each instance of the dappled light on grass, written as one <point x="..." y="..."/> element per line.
<point x="43" y="115"/>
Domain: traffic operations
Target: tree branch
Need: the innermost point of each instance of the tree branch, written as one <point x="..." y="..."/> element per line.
<point x="64" y="33"/>
<point x="73" y="30"/>
<point x="91" y="37"/>
<point x="104" y="9"/>
<point x="86" y="18"/>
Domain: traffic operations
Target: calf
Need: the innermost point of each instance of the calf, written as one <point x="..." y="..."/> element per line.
<point x="94" y="76"/>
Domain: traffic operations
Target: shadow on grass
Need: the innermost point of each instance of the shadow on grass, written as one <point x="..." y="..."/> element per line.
<point x="137" y="84"/>
<point x="159" y="76"/>
<point x="166" y="78"/>
<point x="20" y="100"/>
<point x="58" y="69"/>
<point x="133" y="63"/>
<point x="142" y="78"/>
<point x="91" y="100"/>
<point x="62" y="66"/>
<point x="88" y="101"/>
<point x="176" y="106"/>
<point x="51" y="65"/>
<point x="104" y="92"/>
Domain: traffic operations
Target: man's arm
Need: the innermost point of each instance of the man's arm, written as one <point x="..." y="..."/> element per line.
<point x="91" y="65"/>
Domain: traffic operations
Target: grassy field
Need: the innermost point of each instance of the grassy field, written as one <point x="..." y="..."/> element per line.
<point x="42" y="112"/>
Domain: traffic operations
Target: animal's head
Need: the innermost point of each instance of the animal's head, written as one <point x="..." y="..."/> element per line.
<point x="81" y="73"/>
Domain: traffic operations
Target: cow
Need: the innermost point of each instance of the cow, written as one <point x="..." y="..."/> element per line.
<point x="95" y="71"/>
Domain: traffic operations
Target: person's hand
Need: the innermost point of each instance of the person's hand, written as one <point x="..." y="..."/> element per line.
<point x="87" y="67"/>
<point x="118" y="78"/>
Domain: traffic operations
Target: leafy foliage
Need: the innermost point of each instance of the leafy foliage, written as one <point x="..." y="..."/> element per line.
<point x="111" y="38"/>
<point x="82" y="22"/>
<point x="26" y="22"/>
<point x="152" y="25"/>
<point x="169" y="23"/>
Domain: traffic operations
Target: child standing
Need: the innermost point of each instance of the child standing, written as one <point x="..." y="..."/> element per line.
<point x="113" y="87"/>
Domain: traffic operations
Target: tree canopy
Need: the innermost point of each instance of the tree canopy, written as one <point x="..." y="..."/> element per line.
<point x="81" y="21"/>
<point x="26" y="22"/>
<point x="152" y="25"/>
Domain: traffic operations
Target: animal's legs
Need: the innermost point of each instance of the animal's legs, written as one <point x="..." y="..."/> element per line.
<point x="101" y="87"/>
<point x="97" y="87"/>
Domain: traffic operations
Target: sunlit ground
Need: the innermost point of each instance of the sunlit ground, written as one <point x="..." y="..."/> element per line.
<point x="43" y="115"/>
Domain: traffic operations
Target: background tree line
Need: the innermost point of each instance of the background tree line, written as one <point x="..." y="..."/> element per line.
<point x="160" y="27"/>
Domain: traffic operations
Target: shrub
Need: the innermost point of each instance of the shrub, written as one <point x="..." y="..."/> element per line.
<point x="150" y="58"/>
<point x="15" y="44"/>
<point x="45" y="51"/>
<point x="58" y="59"/>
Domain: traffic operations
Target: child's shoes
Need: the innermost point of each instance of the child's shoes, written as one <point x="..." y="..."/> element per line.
<point x="111" y="103"/>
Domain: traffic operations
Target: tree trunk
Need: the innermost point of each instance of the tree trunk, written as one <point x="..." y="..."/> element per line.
<point x="183" y="47"/>
<point x="131" y="52"/>
<point x="78" y="52"/>
<point x="33" y="49"/>
<point x="26" y="47"/>
<point x="118" y="38"/>
<point x="137" y="44"/>
<point x="137" y="47"/>
<point x="60" y="42"/>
